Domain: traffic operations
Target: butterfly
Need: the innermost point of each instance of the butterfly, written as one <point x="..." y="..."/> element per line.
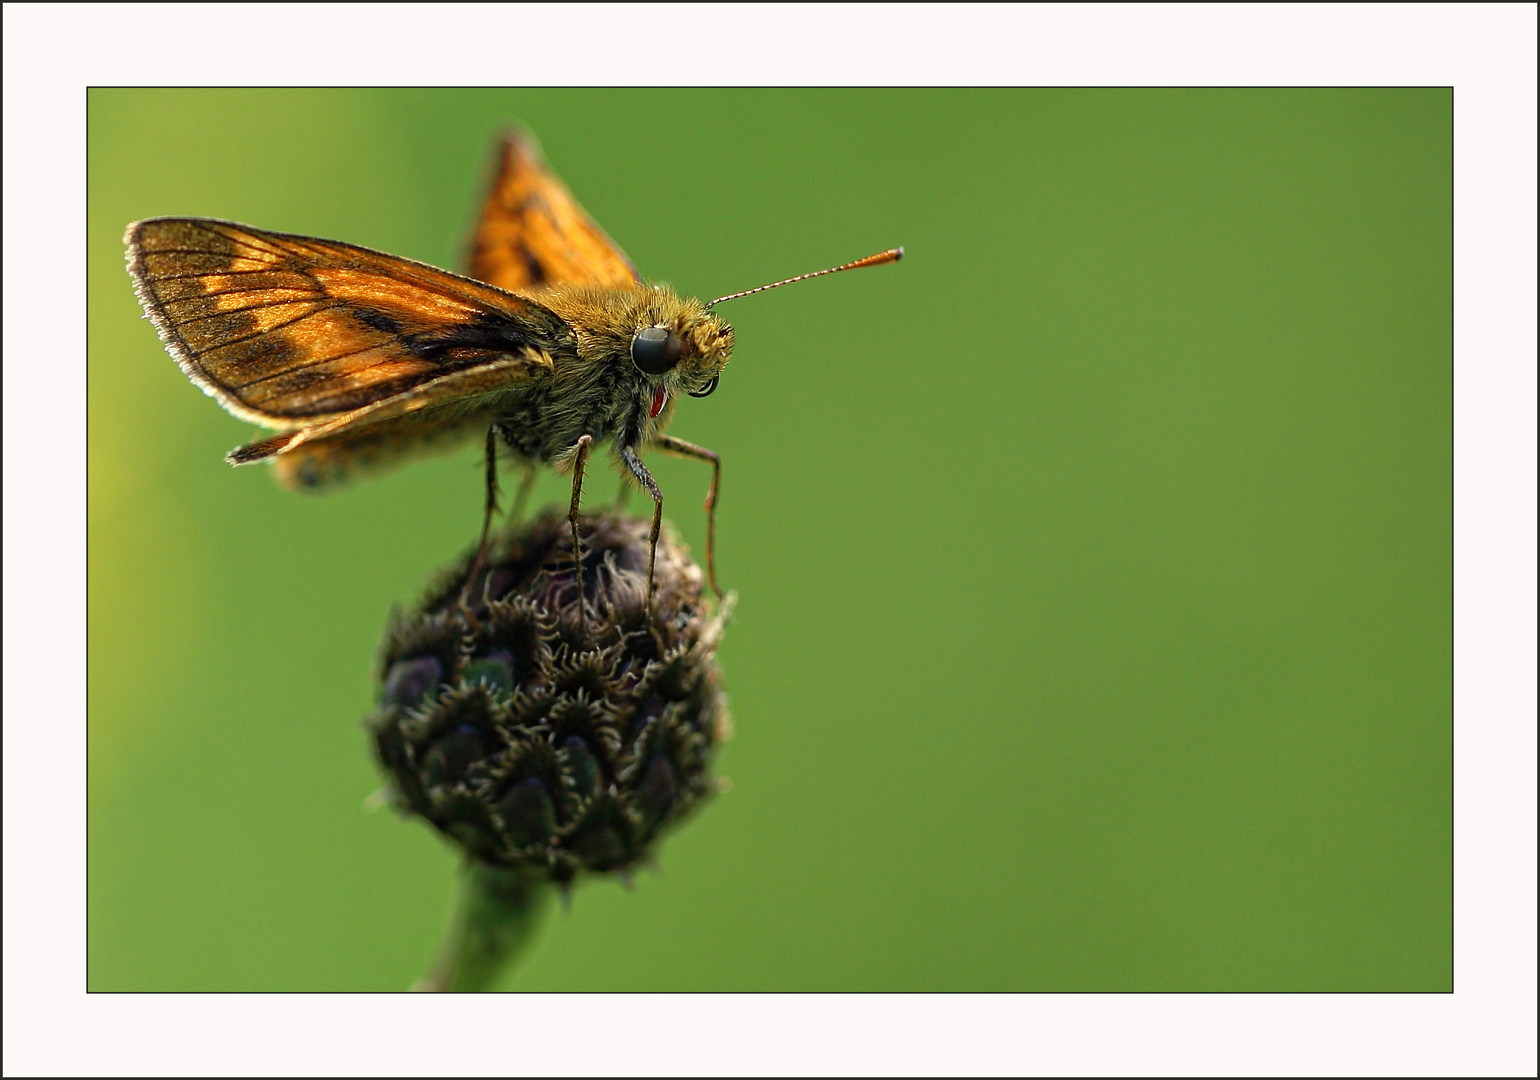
<point x="359" y="360"/>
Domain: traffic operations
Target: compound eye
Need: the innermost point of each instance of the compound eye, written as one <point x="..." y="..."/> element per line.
<point x="706" y="391"/>
<point x="655" y="350"/>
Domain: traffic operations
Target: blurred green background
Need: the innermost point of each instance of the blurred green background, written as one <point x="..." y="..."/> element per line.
<point x="1094" y="562"/>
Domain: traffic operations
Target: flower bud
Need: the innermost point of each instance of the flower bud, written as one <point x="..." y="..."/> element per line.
<point x="536" y="735"/>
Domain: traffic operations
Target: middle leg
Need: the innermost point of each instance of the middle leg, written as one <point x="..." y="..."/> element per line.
<point x="700" y="453"/>
<point x="633" y="462"/>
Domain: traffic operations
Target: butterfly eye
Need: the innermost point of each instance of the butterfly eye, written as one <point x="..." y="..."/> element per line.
<point x="655" y="350"/>
<point x="706" y="390"/>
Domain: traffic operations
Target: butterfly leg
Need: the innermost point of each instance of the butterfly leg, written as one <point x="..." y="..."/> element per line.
<point x="489" y="511"/>
<point x="526" y="484"/>
<point x="633" y="462"/>
<point x="583" y="444"/>
<point x="700" y="453"/>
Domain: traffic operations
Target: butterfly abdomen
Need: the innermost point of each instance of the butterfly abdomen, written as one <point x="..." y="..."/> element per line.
<point x="376" y="448"/>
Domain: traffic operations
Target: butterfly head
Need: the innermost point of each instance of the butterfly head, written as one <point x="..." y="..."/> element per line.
<point x="677" y="345"/>
<point x="685" y="353"/>
<point x="660" y="345"/>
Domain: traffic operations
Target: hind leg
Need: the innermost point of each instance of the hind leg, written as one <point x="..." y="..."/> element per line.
<point x="572" y="517"/>
<point x="489" y="511"/>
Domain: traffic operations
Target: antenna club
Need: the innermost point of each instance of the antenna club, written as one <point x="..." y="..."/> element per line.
<point x="879" y="259"/>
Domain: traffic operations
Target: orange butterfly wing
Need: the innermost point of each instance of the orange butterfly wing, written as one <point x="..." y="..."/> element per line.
<point x="532" y="231"/>
<point x="295" y="332"/>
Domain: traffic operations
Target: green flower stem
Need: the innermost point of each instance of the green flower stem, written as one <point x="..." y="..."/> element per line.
<point x="495" y="920"/>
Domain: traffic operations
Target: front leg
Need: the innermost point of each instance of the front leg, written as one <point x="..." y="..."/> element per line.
<point x="690" y="450"/>
<point x="634" y="462"/>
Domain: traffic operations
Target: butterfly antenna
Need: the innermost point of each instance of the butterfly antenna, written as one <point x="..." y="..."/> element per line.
<point x="889" y="256"/>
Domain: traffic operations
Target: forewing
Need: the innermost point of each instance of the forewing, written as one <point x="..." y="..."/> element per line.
<point x="532" y="231"/>
<point x="292" y="331"/>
